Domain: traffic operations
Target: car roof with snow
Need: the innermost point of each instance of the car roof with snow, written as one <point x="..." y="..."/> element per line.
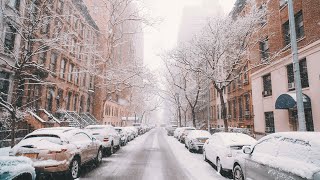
<point x="199" y="133"/>
<point x="98" y="126"/>
<point x="230" y="138"/>
<point x="59" y="131"/>
<point x="306" y="136"/>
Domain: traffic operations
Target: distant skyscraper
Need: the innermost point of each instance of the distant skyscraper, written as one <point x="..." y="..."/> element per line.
<point x="195" y="17"/>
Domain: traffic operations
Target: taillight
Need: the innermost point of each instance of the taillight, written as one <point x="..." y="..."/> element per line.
<point x="105" y="139"/>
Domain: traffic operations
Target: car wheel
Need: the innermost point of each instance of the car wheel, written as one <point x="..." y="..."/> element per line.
<point x="110" y="151"/>
<point x="74" y="169"/>
<point x="190" y="150"/>
<point x="98" y="159"/>
<point x="237" y="173"/>
<point x="204" y="156"/>
<point x="219" y="166"/>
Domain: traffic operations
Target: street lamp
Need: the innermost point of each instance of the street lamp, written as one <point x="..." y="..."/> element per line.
<point x="296" y="68"/>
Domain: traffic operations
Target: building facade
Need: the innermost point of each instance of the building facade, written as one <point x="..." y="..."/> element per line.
<point x="273" y="88"/>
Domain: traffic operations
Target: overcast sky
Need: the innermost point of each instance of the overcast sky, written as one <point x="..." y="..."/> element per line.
<point x="164" y="36"/>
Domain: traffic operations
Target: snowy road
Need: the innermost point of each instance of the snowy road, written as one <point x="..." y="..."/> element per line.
<point x="153" y="156"/>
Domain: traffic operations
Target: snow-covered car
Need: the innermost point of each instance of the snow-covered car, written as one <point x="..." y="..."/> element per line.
<point x="176" y="132"/>
<point x="108" y="135"/>
<point x="196" y="139"/>
<point x="135" y="131"/>
<point x="124" y="135"/>
<point x="130" y="132"/>
<point x="184" y="132"/>
<point x="222" y="148"/>
<point x="171" y="129"/>
<point x="16" y="168"/>
<point x="286" y="155"/>
<point x="59" y="150"/>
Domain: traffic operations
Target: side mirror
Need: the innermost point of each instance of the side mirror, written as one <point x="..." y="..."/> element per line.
<point x="94" y="139"/>
<point x="247" y="150"/>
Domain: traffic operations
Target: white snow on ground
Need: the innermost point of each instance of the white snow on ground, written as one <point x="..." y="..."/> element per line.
<point x="192" y="163"/>
<point x="4" y="151"/>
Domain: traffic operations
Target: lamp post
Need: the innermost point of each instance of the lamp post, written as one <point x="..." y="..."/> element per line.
<point x="296" y="68"/>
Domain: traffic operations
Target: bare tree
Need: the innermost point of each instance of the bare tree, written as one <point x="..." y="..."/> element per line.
<point x="221" y="50"/>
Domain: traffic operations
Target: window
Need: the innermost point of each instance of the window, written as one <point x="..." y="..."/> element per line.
<point x="91" y="82"/>
<point x="264" y="48"/>
<point x="50" y="96"/>
<point x="70" y="77"/>
<point x="88" y="104"/>
<point x="75" y="102"/>
<point x="84" y="80"/>
<point x="62" y="68"/>
<point x="247" y="102"/>
<point x="269" y="120"/>
<point x="246" y="75"/>
<point x="60" y="6"/>
<point x="240" y="107"/>
<point x="69" y="100"/>
<point x="303" y="75"/>
<point x="263" y="19"/>
<point x="299" y="28"/>
<point x="59" y="98"/>
<point x="43" y="55"/>
<point x="234" y="109"/>
<point x="82" y="104"/>
<point x="45" y="24"/>
<point x="4" y="85"/>
<point x="57" y="27"/>
<point x="283" y="3"/>
<point x="76" y="74"/>
<point x="218" y="112"/>
<point x="53" y="62"/>
<point x="267" y="87"/>
<point x="229" y="109"/>
<point x="14" y="4"/>
<point x="9" y="39"/>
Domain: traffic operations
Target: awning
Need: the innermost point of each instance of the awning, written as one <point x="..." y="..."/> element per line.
<point x="288" y="101"/>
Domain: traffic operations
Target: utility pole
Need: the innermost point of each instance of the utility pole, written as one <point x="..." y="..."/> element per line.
<point x="296" y="68"/>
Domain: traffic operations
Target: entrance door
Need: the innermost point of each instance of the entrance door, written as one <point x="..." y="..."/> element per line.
<point x="293" y="119"/>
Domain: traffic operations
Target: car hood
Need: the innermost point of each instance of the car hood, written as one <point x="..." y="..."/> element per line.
<point x="10" y="167"/>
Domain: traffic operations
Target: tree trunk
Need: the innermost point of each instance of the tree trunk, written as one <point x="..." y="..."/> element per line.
<point x="13" y="129"/>
<point x="185" y="118"/>
<point x="223" y="110"/>
<point x="194" y="118"/>
<point x="179" y="114"/>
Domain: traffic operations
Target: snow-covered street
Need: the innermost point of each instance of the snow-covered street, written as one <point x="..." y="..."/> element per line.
<point x="153" y="156"/>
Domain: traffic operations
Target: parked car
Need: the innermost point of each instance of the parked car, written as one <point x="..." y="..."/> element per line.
<point x="59" y="150"/>
<point x="16" y="168"/>
<point x="124" y="135"/>
<point x="108" y="135"/>
<point x="130" y="132"/>
<point x="287" y="155"/>
<point x="176" y="132"/>
<point x="222" y="148"/>
<point x="135" y="131"/>
<point x="196" y="139"/>
<point x="171" y="129"/>
<point x="184" y="132"/>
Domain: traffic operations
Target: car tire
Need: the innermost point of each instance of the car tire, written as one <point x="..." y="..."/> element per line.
<point x="238" y="173"/>
<point x="219" y="166"/>
<point x="24" y="176"/>
<point x="191" y="150"/>
<point x="110" y="151"/>
<point x="74" y="169"/>
<point x="98" y="158"/>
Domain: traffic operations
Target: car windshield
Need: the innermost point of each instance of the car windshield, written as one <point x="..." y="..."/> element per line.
<point x="48" y="137"/>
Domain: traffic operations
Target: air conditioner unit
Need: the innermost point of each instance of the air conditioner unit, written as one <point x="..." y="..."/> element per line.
<point x="245" y="81"/>
<point x="247" y="113"/>
<point x="291" y="86"/>
<point x="265" y="93"/>
<point x="229" y="116"/>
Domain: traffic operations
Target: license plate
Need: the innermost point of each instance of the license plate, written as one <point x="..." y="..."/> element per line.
<point x="31" y="155"/>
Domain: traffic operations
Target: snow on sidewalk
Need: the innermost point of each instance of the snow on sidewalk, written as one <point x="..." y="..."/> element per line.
<point x="192" y="163"/>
